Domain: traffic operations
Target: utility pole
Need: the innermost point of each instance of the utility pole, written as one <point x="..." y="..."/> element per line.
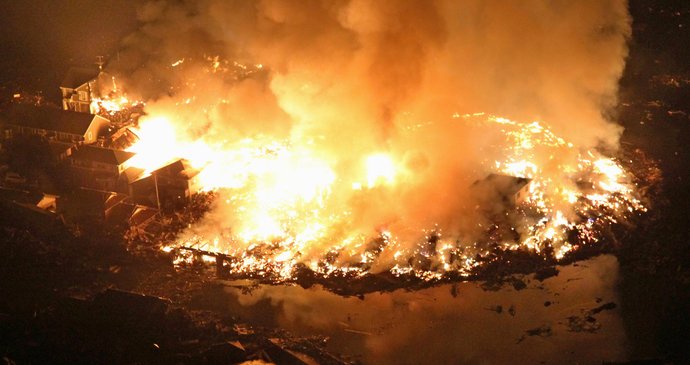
<point x="155" y="183"/>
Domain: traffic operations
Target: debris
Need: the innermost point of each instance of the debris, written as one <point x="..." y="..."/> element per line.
<point x="239" y="283"/>
<point x="130" y="304"/>
<point x="607" y="306"/>
<point x="586" y="322"/>
<point x="278" y="353"/>
<point x="546" y="273"/>
<point x="518" y="284"/>
<point x="498" y="309"/>
<point x="357" y="332"/>
<point x="229" y="352"/>
<point x="543" y="331"/>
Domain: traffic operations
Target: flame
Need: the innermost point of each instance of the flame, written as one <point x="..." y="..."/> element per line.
<point x="156" y="136"/>
<point x="112" y="105"/>
<point x="287" y="205"/>
<point x="380" y="169"/>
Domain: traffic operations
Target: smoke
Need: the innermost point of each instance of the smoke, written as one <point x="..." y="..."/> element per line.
<point x="346" y="79"/>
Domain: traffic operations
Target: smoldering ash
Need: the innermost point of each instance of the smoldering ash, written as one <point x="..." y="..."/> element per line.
<point x="355" y="136"/>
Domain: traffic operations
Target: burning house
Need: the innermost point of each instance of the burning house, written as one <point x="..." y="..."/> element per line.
<point x="77" y="88"/>
<point x="173" y="184"/>
<point x="53" y="124"/>
<point x="122" y="139"/>
<point x="100" y="168"/>
<point x="86" y="89"/>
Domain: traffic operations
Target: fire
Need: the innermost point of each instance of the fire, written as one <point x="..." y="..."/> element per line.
<point x="380" y="169"/>
<point x="155" y="138"/>
<point x="606" y="192"/>
<point x="292" y="204"/>
<point x="612" y="174"/>
<point x="112" y="105"/>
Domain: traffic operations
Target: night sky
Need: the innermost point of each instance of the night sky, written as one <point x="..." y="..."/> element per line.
<point x="51" y="35"/>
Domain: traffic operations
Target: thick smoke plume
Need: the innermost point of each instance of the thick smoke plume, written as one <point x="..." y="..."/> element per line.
<point x="345" y="79"/>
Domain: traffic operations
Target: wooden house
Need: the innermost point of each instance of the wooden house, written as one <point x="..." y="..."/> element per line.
<point x="93" y="206"/>
<point x="100" y="168"/>
<point x="78" y="87"/>
<point x="172" y="184"/>
<point x="53" y="124"/>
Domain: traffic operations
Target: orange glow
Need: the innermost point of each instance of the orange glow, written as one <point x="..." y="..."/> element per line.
<point x="107" y="105"/>
<point x="380" y="170"/>
<point x="157" y="144"/>
<point x="292" y="203"/>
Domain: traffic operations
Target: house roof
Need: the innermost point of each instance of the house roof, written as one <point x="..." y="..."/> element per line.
<point x="57" y="148"/>
<point x="95" y="200"/>
<point x="77" y="76"/>
<point x="123" y="138"/>
<point x="50" y="119"/>
<point x="114" y="200"/>
<point x="48" y="202"/>
<point x="119" y="214"/>
<point x="142" y="215"/>
<point x="133" y="173"/>
<point x="19" y="196"/>
<point x="102" y="155"/>
<point x="180" y="168"/>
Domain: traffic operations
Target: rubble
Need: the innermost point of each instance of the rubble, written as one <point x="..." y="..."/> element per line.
<point x="542" y="331"/>
<point x="228" y="352"/>
<point x="586" y="321"/>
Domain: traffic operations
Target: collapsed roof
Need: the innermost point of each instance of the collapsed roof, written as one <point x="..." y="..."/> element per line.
<point x="102" y="155"/>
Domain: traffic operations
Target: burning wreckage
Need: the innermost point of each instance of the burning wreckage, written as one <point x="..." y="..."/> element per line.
<point x="112" y="164"/>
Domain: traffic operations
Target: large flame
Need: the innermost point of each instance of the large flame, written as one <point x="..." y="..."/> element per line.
<point x="288" y="203"/>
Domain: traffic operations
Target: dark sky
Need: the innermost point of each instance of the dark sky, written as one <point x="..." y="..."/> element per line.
<point x="40" y="39"/>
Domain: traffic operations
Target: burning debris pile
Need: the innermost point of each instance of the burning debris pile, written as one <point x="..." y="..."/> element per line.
<point x="342" y="144"/>
<point x="546" y="216"/>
